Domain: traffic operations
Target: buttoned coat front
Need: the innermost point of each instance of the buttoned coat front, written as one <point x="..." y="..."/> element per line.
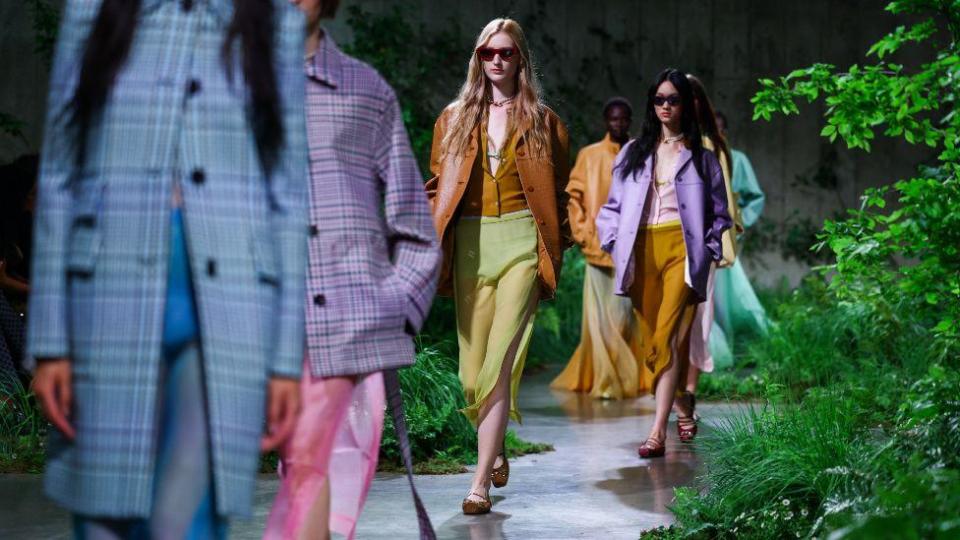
<point x="703" y="216"/>
<point x="102" y="245"/>
<point x="373" y="250"/>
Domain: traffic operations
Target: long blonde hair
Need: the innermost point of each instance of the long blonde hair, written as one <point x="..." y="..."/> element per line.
<point x="470" y="107"/>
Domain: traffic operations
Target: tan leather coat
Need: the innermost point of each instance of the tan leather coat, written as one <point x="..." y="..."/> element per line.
<point x="544" y="179"/>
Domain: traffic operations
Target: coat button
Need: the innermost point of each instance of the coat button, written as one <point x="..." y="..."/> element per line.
<point x="186" y="5"/>
<point x="211" y="267"/>
<point x="521" y="153"/>
<point x="689" y="234"/>
<point x="319" y="300"/>
<point x="194" y="86"/>
<point x="198" y="176"/>
<point x="314" y="231"/>
<point x="683" y="206"/>
<point x="530" y="189"/>
<point x="542" y="222"/>
<point x="679" y="179"/>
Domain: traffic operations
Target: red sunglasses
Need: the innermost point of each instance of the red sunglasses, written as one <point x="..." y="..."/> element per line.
<point x="488" y="53"/>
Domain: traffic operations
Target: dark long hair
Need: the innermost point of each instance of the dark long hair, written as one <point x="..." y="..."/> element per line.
<point x="707" y="118"/>
<point x="109" y="45"/>
<point x="646" y="143"/>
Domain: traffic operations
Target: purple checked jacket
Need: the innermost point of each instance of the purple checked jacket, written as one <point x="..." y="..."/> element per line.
<point x="373" y="251"/>
<point x="703" y="217"/>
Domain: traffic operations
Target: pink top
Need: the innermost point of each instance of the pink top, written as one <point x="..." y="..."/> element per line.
<point x="662" y="207"/>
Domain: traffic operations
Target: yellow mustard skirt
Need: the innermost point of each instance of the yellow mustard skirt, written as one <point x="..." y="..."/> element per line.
<point x="496" y="294"/>
<point x="665" y="302"/>
<point x="606" y="363"/>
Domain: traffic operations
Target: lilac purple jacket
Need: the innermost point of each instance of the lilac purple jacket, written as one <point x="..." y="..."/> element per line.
<point x="373" y="251"/>
<point x="703" y="217"/>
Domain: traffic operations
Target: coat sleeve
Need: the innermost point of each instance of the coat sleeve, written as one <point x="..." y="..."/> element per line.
<point x="745" y="184"/>
<point x="410" y="232"/>
<point x="289" y="191"/>
<point x="580" y="228"/>
<point x="608" y="218"/>
<point x="718" y="216"/>
<point x="48" y="334"/>
<point x="561" y="169"/>
<point x="436" y="158"/>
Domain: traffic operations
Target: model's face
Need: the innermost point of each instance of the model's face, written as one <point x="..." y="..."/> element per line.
<point x="668" y="105"/>
<point x="618" y="120"/>
<point x="310" y="8"/>
<point x="504" y="63"/>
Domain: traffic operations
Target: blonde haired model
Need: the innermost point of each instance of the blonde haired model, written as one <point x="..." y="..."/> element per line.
<point x="500" y="165"/>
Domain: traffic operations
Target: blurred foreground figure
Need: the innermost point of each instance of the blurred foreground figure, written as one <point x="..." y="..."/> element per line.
<point x="373" y="256"/>
<point x="605" y="364"/>
<point x="169" y="257"/>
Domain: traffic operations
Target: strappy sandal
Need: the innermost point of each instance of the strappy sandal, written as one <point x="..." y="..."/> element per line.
<point x="687" y="423"/>
<point x="472" y="508"/>
<point x="500" y="475"/>
<point x="652" y="448"/>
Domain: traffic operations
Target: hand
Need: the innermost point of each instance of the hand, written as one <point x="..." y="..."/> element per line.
<point x="283" y="407"/>
<point x="725" y="263"/>
<point x="53" y="386"/>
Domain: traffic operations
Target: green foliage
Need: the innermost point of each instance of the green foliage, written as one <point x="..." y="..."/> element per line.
<point x="432" y="398"/>
<point x="835" y="449"/>
<point x="22" y="431"/>
<point x="11" y="126"/>
<point x="425" y="66"/>
<point x="834" y="435"/>
<point x="46" y="23"/>
<point x="904" y="239"/>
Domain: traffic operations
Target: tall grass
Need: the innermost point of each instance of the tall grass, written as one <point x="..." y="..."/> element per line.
<point x="432" y="398"/>
<point x="856" y="432"/>
<point x="22" y="430"/>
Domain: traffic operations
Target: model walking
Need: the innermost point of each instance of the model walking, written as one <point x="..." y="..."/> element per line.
<point x="500" y="160"/>
<point x="663" y="222"/>
<point x="373" y="257"/>
<point x="169" y="258"/>
<point x="605" y="362"/>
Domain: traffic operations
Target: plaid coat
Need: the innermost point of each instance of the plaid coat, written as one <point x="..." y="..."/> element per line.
<point x="101" y="250"/>
<point x="373" y="249"/>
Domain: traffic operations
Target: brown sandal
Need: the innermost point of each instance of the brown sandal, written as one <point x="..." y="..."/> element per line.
<point x="687" y="423"/>
<point x="500" y="475"/>
<point x="472" y="508"/>
<point x="652" y="448"/>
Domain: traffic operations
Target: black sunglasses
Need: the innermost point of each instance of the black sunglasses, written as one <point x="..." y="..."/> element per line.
<point x="672" y="99"/>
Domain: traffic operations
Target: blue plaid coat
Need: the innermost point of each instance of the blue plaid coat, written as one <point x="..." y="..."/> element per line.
<point x="101" y="250"/>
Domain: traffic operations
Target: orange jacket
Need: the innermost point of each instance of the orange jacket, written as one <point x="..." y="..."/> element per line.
<point x="543" y="178"/>
<point x="588" y="187"/>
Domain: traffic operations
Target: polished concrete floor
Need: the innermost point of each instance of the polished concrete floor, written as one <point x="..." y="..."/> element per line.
<point x="592" y="486"/>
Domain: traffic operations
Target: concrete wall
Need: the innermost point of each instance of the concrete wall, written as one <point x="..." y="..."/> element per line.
<point x="728" y="43"/>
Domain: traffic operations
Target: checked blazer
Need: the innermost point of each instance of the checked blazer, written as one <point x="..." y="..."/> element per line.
<point x="101" y="249"/>
<point x="373" y="250"/>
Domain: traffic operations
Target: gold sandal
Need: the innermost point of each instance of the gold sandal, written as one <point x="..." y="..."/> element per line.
<point x="471" y="507"/>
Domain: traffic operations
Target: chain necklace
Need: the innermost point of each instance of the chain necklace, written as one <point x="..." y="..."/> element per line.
<point x="673" y="139"/>
<point x="502" y="102"/>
